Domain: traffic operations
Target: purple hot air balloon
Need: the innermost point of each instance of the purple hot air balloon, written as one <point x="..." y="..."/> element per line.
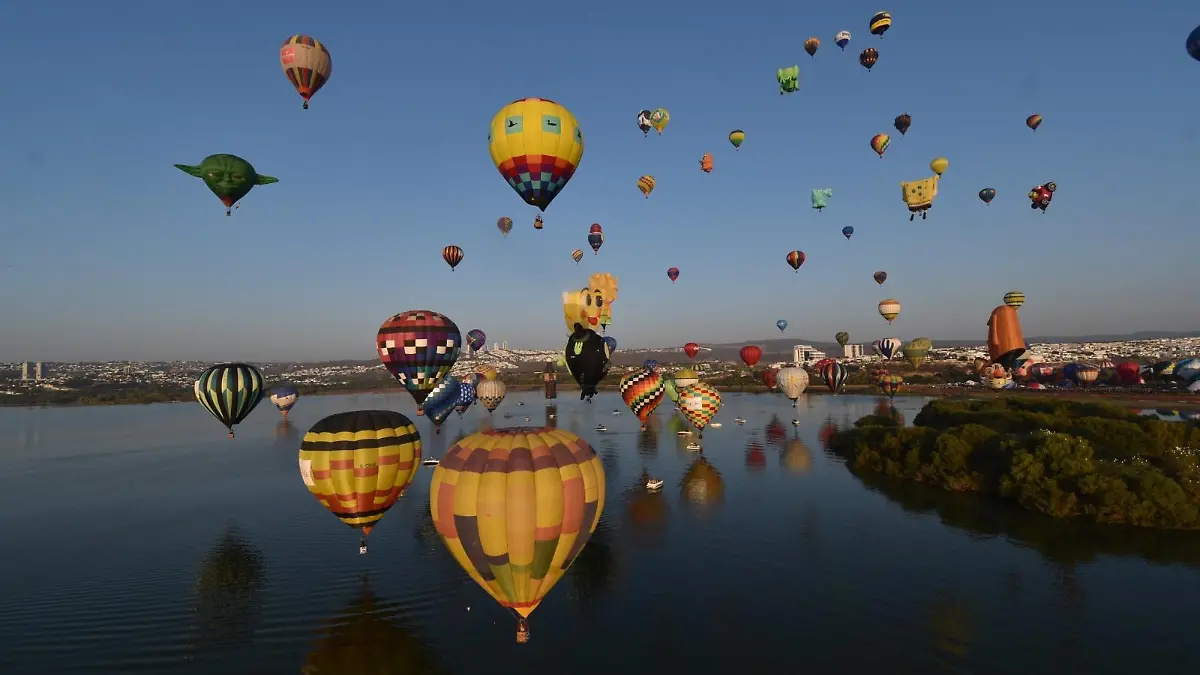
<point x="476" y="339"/>
<point x="673" y="273"/>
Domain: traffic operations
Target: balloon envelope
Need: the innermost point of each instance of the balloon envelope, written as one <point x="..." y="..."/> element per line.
<point x="230" y="392"/>
<point x="537" y="145"/>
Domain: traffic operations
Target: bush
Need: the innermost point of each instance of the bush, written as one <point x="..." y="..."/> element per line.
<point x="1062" y="458"/>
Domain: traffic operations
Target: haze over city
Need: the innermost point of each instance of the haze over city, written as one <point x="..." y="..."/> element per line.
<point x="114" y="254"/>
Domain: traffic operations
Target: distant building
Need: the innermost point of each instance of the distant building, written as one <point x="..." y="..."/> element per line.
<point x="27" y="371"/>
<point x="852" y="351"/>
<point x="805" y="354"/>
<point x="40" y="371"/>
<point x="504" y="345"/>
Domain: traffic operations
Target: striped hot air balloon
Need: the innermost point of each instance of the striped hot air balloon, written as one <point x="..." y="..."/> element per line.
<point x="307" y="64"/>
<point x="795" y="259"/>
<point x="515" y="507"/>
<point x="1014" y="299"/>
<point x="230" y="392"/>
<point x="452" y="255"/>
<point x="358" y="463"/>
<point x="646" y="185"/>
<point x="577" y="255"/>
<point x="643" y="390"/>
<point x="889" y="309"/>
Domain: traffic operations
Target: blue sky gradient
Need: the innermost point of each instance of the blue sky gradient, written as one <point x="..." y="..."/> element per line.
<point x="112" y="253"/>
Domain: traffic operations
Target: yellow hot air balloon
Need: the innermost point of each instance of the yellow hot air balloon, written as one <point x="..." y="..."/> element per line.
<point x="659" y="119"/>
<point x="537" y="146"/>
<point x="606" y="284"/>
<point x="646" y="185"/>
<point x="889" y="309"/>
<point x="577" y="255"/>
<point x="515" y="507"/>
<point x="358" y="463"/>
<point x="1014" y="299"/>
<point x="939" y="165"/>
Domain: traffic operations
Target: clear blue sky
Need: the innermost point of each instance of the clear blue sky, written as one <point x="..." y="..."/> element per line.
<point x="110" y="252"/>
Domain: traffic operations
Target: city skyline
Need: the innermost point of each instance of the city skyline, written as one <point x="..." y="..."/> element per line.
<point x="131" y="259"/>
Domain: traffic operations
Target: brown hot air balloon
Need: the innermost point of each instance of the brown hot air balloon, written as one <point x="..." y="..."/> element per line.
<point x="811" y="45"/>
<point x="452" y="255"/>
<point x="902" y="123"/>
<point x="868" y="58"/>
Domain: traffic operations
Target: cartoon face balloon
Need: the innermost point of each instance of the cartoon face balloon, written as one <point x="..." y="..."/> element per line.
<point x="229" y="177"/>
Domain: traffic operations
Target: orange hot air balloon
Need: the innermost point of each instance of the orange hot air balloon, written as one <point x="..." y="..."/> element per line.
<point x="706" y="162"/>
<point x="811" y="45"/>
<point x="307" y="64"/>
<point x="1033" y="121"/>
<point x="1006" y="343"/>
<point x="751" y="355"/>
<point x="691" y="349"/>
<point x="452" y="255"/>
<point x="796" y="259"/>
<point x="880" y="143"/>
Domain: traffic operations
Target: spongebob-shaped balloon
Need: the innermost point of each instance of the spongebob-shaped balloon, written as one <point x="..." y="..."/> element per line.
<point x="918" y="195"/>
<point x="587" y="354"/>
<point x="820" y="198"/>
<point x="606" y="285"/>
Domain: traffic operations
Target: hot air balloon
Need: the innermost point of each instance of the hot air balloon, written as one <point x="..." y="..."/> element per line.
<point x="880" y="23"/>
<point x="229" y="177"/>
<point x="672" y="273"/>
<point x="644" y="123"/>
<point x="1006" y="343"/>
<point x="890" y="384"/>
<point x="938" y="165"/>
<point x="596" y="237"/>
<point x="1041" y="195"/>
<point x="987" y="195"/>
<point x="505" y="225"/>
<point x="781" y="325"/>
<point x="538" y="223"/>
<point x="842" y="39"/>
<point x="706" y="162"/>
<point x="902" y="123"/>
<point x="1129" y="372"/>
<point x="916" y="351"/>
<point x="487" y="372"/>
<point x="230" y="391"/>
<point x="918" y="195"/>
<point x="490" y="392"/>
<point x="452" y="255"/>
<point x="811" y="45"/>
<point x="659" y="119"/>
<point x="737" y="137"/>
<point x="537" y="145"/>
<point x="642" y="390"/>
<point x="699" y="403"/>
<point x="796" y="259"/>
<point x="1014" y="299"/>
<point x="868" y="58"/>
<point x="880" y="277"/>
<point x="789" y="79"/>
<point x="889" y="309"/>
<point x="834" y="375"/>
<point x="650" y="364"/>
<point x="691" y="349"/>
<point x="686" y="377"/>
<point x="418" y="347"/>
<point x="793" y="380"/>
<point x="441" y="401"/>
<point x="611" y="342"/>
<point x="605" y="293"/>
<point x="770" y="377"/>
<point x="1193" y="43"/>
<point x="476" y="339"/>
<point x="307" y="64"/>
<point x="820" y="198"/>
<point x="880" y="143"/>
<point x="1033" y="121"/>
<point x="358" y="463"/>
<point x="843" y="338"/>
<point x="466" y="397"/>
<point x="587" y="356"/>
<point x="577" y="255"/>
<point x="887" y="348"/>
<point x="646" y="185"/>
<point x="284" y="398"/>
<point x="751" y="355"/>
<point x="516" y="542"/>
<point x="847" y="231"/>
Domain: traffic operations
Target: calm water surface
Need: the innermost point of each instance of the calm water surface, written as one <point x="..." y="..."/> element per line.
<point x="140" y="539"/>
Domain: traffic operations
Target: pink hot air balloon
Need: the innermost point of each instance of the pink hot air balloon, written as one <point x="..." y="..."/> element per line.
<point x="672" y="273"/>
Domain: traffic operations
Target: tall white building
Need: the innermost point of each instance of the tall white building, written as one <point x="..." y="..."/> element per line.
<point x="40" y="371"/>
<point x="852" y="351"/>
<point x="26" y="371"/>
<point x="806" y="354"/>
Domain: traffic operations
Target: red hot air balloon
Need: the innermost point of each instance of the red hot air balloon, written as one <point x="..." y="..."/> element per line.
<point x="796" y="259"/>
<point x="452" y="255"/>
<point x="1128" y="372"/>
<point x="751" y="355"/>
<point x="691" y="349"/>
<point x="770" y="377"/>
<point x="672" y="273"/>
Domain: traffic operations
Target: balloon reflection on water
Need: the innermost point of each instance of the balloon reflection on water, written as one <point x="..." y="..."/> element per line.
<point x="702" y="486"/>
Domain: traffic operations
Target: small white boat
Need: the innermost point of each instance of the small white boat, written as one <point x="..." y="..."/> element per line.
<point x="430" y="461"/>
<point x="685" y="432"/>
<point x="693" y="446"/>
<point x="520" y="403"/>
<point x="527" y="419"/>
<point x="715" y="425"/>
<point x="739" y="420"/>
<point x="795" y="423"/>
<point x="654" y="483"/>
<point x="601" y="427"/>
<point x="616" y="412"/>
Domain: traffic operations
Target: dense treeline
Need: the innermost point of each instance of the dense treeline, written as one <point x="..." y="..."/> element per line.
<point x="1061" y="458"/>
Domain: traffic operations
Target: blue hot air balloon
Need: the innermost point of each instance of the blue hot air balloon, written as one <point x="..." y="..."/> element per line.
<point x="284" y="397"/>
<point x="781" y="325"/>
<point x="1193" y="44"/>
<point x="650" y="364"/>
<point x="611" y="342"/>
<point x="847" y="231"/>
<point x="466" y="396"/>
<point x="441" y="401"/>
<point x="476" y="339"/>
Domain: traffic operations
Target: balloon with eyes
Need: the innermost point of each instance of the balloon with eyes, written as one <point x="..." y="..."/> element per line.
<point x="586" y="354"/>
<point x="1040" y="196"/>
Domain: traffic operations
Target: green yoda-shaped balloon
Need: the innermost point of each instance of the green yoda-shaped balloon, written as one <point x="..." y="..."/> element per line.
<point x="228" y="176"/>
<point x="820" y="198"/>
<point x="789" y="79"/>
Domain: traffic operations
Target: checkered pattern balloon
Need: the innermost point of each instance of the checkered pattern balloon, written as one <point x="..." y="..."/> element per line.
<point x="442" y="400"/>
<point x="643" y="390"/>
<point x="418" y="348"/>
<point x="699" y="403"/>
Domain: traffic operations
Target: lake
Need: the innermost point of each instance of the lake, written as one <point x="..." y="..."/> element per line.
<point x="140" y="539"/>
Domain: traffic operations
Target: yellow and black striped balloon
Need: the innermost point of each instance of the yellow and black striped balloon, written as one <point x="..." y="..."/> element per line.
<point x="358" y="463"/>
<point x="1014" y="299"/>
<point x="880" y="23"/>
<point x="646" y="185"/>
<point x="230" y="391"/>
